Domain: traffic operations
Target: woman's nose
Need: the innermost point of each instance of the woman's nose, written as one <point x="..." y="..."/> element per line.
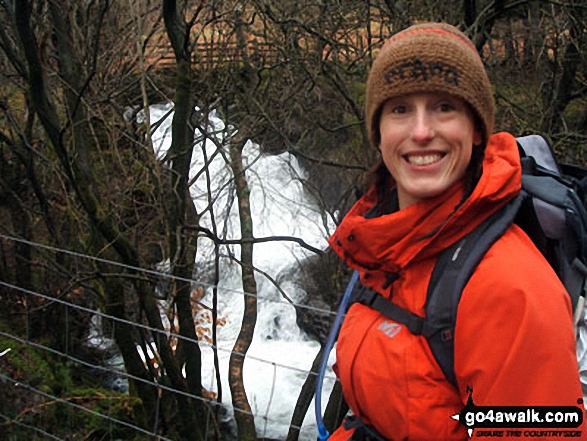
<point x="422" y="129"/>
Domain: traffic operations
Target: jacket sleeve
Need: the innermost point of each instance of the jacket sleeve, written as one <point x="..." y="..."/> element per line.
<point x="514" y="341"/>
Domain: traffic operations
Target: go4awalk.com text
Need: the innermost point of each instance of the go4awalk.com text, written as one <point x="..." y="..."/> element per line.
<point x="525" y="422"/>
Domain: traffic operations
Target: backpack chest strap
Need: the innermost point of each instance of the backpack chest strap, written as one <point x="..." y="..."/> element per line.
<point x="415" y="323"/>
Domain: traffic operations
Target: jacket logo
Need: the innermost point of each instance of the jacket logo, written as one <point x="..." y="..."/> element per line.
<point x="417" y="70"/>
<point x="390" y="329"/>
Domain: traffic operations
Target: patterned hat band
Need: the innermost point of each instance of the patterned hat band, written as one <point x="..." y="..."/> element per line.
<point x="417" y="70"/>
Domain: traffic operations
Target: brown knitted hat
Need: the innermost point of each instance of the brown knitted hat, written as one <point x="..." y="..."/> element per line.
<point x="429" y="57"/>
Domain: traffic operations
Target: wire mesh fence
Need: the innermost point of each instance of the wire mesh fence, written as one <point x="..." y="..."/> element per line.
<point x="63" y="375"/>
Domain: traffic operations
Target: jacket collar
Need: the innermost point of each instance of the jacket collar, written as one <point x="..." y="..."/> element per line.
<point x="390" y="242"/>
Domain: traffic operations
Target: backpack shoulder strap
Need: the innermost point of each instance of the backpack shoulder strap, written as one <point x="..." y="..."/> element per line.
<point x="451" y="274"/>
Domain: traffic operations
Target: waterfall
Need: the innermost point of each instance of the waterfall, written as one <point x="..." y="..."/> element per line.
<point x="281" y="354"/>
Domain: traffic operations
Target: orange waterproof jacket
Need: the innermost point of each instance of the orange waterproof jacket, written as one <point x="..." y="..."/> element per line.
<point x="514" y="342"/>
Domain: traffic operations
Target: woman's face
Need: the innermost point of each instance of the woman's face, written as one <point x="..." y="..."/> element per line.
<point x="426" y="143"/>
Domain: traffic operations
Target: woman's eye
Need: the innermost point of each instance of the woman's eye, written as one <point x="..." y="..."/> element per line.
<point x="446" y="107"/>
<point x="400" y="108"/>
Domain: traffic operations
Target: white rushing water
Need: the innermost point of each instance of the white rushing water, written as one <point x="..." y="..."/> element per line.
<point x="281" y="354"/>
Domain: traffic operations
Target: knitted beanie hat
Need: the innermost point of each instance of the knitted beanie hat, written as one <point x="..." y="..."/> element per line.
<point x="429" y="57"/>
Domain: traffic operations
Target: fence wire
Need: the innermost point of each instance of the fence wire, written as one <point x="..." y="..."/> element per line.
<point x="167" y="276"/>
<point x="25" y="401"/>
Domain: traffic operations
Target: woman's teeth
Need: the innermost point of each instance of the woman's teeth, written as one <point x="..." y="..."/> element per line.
<point x="424" y="159"/>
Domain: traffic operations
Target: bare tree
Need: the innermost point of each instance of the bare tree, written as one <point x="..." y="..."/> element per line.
<point x="76" y="51"/>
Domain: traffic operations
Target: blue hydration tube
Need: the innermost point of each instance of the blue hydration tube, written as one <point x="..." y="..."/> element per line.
<point x="322" y="432"/>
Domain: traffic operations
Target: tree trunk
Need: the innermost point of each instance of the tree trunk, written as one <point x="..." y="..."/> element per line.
<point x="564" y="87"/>
<point x="124" y="336"/>
<point x="304" y="399"/>
<point x="242" y="410"/>
<point x="182" y="249"/>
<point x="511" y="53"/>
<point x="336" y="408"/>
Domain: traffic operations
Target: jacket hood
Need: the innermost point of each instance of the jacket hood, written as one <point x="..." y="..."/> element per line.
<point x="392" y="241"/>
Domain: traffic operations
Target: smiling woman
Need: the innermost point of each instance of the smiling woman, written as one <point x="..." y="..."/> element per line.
<point x="443" y="173"/>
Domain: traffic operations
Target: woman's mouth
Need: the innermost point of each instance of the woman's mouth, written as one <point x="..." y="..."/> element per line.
<point x="423" y="158"/>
